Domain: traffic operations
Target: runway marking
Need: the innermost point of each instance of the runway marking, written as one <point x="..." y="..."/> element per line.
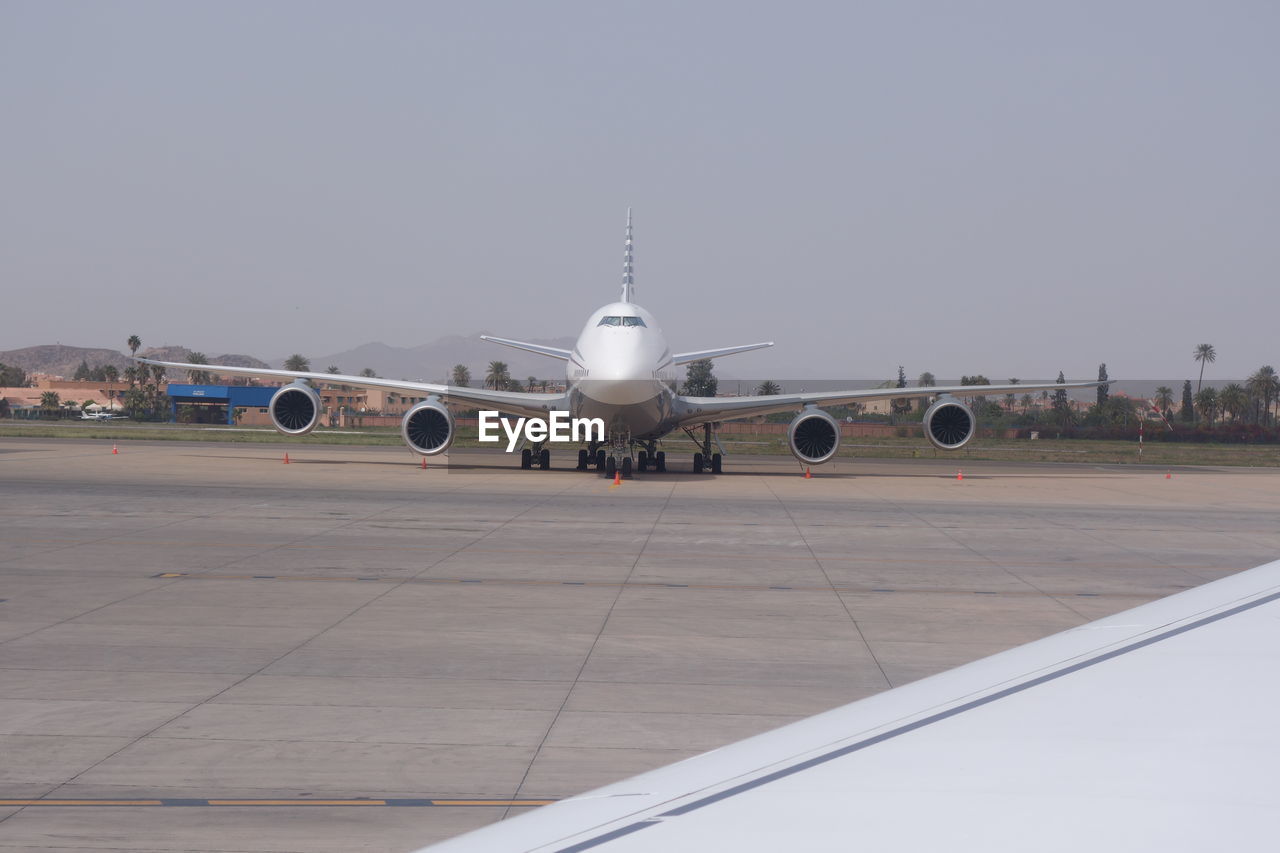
<point x="653" y="585"/>
<point x="723" y="555"/>
<point x="184" y="802"/>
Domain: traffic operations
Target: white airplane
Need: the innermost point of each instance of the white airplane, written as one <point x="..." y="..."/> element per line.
<point x="1151" y="730"/>
<point x="622" y="371"/>
<point x="97" y="416"/>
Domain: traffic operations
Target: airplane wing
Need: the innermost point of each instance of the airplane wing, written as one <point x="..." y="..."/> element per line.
<point x="702" y="409"/>
<point x="686" y="357"/>
<point x="1154" y="729"/>
<point x="514" y="402"/>
<point x="554" y="352"/>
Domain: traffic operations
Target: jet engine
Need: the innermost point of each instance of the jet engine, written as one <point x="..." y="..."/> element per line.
<point x="814" y="436"/>
<point x="949" y="424"/>
<point x="295" y="409"/>
<point x="428" y="427"/>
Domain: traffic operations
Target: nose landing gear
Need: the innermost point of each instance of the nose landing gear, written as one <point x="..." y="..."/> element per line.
<point x="538" y="454"/>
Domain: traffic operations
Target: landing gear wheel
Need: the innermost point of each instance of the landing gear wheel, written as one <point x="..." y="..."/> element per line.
<point x="583" y="456"/>
<point x="642" y="461"/>
<point x="626" y="468"/>
<point x="600" y="459"/>
<point x="660" y="458"/>
<point x="544" y="459"/>
<point x="697" y="463"/>
<point x="526" y="459"/>
<point x="610" y="467"/>
<point x="715" y="463"/>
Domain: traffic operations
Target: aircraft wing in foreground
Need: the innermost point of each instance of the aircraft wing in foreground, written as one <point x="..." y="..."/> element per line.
<point x="1154" y="729"/>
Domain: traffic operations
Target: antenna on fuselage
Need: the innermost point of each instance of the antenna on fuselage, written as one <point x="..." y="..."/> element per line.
<point x="628" y="266"/>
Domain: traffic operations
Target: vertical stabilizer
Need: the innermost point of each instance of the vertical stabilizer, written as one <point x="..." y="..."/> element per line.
<point x="628" y="266"/>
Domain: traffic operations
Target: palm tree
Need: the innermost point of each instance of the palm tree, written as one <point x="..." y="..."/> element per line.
<point x="333" y="368"/>
<point x="1232" y="400"/>
<point x="1164" y="400"/>
<point x="461" y="377"/>
<point x="133" y="343"/>
<point x="768" y="388"/>
<point x="1203" y="353"/>
<point x="1207" y="404"/>
<point x="49" y="401"/>
<point x="198" y="377"/>
<point x="1264" y="385"/>
<point x="111" y="373"/>
<point x="530" y="382"/>
<point x="298" y="363"/>
<point x="368" y="373"/>
<point x="499" y="376"/>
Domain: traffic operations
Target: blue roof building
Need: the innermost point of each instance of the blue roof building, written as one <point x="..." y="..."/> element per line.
<point x="231" y="396"/>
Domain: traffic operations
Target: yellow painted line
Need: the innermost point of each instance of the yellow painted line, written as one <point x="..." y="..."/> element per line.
<point x="803" y="558"/>
<point x="662" y="585"/>
<point x="297" y="802"/>
<point x="80" y="803"/>
<point x="182" y="802"/>
<point x="492" y="802"/>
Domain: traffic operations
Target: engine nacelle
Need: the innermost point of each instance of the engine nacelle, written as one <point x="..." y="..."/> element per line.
<point x="949" y="424"/>
<point x="814" y="436"/>
<point x="295" y="409"/>
<point x="428" y="427"/>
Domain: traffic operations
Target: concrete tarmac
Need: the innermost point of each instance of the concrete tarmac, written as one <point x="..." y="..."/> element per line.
<point x="202" y="648"/>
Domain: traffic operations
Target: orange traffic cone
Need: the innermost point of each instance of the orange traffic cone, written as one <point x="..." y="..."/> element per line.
<point x="424" y="463"/>
<point x="1168" y="475"/>
<point x="115" y="451"/>
<point x="959" y="475"/>
<point x="286" y="457"/>
<point x="808" y="473"/>
<point x="617" y="478"/>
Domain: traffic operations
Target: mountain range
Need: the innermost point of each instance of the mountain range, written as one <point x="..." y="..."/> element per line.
<point x="62" y="360"/>
<point x="434" y="361"/>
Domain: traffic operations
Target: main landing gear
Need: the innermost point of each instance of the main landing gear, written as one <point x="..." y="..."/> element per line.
<point x="705" y="459"/>
<point x="615" y="456"/>
<point x="650" y="457"/>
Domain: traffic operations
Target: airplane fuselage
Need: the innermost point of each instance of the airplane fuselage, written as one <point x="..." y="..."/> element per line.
<point x="621" y="370"/>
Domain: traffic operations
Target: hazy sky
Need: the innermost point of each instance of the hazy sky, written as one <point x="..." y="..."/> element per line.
<point x="1005" y="188"/>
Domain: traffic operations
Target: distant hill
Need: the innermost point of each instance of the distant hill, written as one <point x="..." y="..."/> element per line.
<point x="433" y="362"/>
<point x="60" y="360"/>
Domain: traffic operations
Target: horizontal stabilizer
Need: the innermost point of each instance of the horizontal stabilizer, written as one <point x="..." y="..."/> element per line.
<point x="686" y="357"/>
<point x="554" y="352"/>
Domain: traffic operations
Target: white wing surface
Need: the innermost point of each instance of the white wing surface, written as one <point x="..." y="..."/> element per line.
<point x="514" y="402"/>
<point x="704" y="409"/>
<point x="1154" y="729"/>
<point x="686" y="357"/>
<point x="540" y="349"/>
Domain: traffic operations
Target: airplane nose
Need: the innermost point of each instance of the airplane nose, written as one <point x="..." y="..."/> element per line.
<point x="618" y="392"/>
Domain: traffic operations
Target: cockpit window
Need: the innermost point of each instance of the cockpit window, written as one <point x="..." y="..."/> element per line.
<point x="620" y="320"/>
